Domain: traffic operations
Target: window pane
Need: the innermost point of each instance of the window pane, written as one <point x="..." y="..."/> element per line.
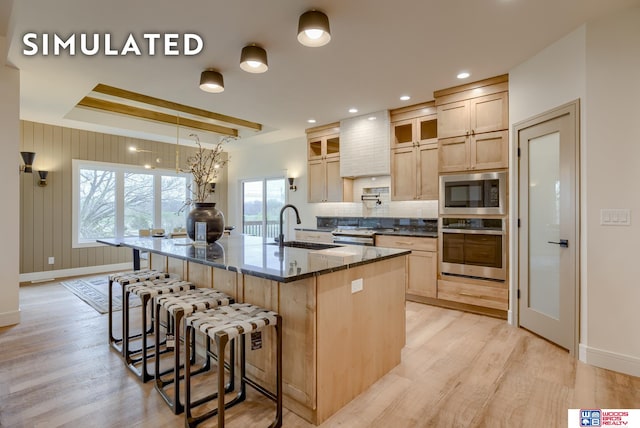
<point x="97" y="216"/>
<point x="275" y="202"/>
<point x="138" y="203"/>
<point x="252" y="201"/>
<point x="174" y="193"/>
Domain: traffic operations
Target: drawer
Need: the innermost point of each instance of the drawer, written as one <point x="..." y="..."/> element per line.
<point x="407" y="242"/>
<point x="313" y="236"/>
<point x="485" y="293"/>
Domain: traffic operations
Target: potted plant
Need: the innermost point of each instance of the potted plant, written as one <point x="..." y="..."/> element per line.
<point x="204" y="166"/>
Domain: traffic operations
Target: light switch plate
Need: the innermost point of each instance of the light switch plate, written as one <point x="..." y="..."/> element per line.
<point x="357" y="285"/>
<point x="615" y="217"/>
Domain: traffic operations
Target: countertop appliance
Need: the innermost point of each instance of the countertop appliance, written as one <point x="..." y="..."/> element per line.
<point x="480" y="193"/>
<point x="473" y="247"/>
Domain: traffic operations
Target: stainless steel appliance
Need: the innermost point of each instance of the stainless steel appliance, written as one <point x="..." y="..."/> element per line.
<point x="473" y="247"/>
<point x="481" y="193"/>
<point x="354" y="236"/>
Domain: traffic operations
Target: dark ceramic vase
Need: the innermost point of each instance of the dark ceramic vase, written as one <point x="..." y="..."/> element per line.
<point x="206" y="212"/>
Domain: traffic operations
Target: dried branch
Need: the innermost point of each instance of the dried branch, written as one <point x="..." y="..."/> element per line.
<point x="204" y="165"/>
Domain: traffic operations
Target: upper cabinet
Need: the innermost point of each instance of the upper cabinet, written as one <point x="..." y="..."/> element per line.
<point x="323" y="167"/>
<point x="472" y="126"/>
<point x="414" y="153"/>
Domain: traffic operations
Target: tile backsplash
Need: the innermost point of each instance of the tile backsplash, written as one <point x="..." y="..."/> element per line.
<point x="387" y="208"/>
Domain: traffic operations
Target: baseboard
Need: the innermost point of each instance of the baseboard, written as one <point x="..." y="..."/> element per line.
<point x="610" y="360"/>
<point x="9" y="318"/>
<point x="51" y="275"/>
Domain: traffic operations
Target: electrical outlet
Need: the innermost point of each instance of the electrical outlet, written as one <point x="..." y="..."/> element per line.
<point x="357" y="285"/>
<point x="52" y="260"/>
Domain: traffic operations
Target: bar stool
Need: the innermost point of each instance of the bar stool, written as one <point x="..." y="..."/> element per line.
<point x="177" y="307"/>
<point x="124" y="279"/>
<point x="224" y="324"/>
<point x="145" y="291"/>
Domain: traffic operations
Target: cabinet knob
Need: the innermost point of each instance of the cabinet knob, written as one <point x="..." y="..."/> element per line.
<point x="467" y="134"/>
<point x="473" y="132"/>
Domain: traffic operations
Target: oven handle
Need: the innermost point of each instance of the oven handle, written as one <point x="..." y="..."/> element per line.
<point x="474" y="231"/>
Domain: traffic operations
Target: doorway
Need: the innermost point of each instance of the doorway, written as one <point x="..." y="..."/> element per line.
<point x="548" y="233"/>
<point x="262" y="200"/>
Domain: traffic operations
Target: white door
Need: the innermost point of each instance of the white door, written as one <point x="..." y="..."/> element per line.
<point x="549" y="225"/>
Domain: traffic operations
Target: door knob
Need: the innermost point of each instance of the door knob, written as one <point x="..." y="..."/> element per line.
<point x="563" y="243"/>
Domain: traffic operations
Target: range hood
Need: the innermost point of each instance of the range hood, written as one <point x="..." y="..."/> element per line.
<point x="364" y="145"/>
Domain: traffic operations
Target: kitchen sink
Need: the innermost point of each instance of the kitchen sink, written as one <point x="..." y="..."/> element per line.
<point x="306" y="245"/>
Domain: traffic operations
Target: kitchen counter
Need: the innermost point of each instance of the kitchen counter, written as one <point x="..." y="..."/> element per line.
<point x="262" y="258"/>
<point x="398" y="232"/>
<point x="342" y="308"/>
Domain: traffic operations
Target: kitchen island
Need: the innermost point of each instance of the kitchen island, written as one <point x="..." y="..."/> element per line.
<point x="342" y="307"/>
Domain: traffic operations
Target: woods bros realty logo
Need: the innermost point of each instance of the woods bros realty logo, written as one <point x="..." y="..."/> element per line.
<point x="604" y="418"/>
<point x="91" y="44"/>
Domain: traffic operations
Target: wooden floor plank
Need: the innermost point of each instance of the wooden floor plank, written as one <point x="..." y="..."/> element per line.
<point x="457" y="370"/>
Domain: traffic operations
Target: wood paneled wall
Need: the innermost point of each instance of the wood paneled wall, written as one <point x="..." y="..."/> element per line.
<point x="46" y="217"/>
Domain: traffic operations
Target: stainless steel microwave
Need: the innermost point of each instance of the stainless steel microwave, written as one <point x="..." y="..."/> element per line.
<point x="481" y="193"/>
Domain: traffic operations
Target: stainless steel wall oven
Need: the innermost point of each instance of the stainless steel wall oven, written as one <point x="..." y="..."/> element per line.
<point x="473" y="247"/>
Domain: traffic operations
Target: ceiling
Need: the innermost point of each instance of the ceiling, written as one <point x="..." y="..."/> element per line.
<point x="380" y="49"/>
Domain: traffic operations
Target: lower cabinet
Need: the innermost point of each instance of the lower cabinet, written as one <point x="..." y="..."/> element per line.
<point x="422" y="264"/>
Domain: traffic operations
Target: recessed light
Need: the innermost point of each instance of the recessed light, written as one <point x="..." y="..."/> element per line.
<point x="405" y="98"/>
<point x="311" y="121"/>
<point x="371" y="118"/>
<point x="463" y="75"/>
<point x="353" y="110"/>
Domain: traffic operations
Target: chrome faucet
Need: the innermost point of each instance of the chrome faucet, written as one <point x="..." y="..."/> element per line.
<point x="281" y="235"/>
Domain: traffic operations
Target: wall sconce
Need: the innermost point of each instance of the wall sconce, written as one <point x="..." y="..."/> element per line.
<point x="253" y="59"/>
<point x="211" y="81"/>
<point x="212" y="188"/>
<point x="313" y="29"/>
<point x="291" y="185"/>
<point x="28" y="158"/>
<point x="43" y="178"/>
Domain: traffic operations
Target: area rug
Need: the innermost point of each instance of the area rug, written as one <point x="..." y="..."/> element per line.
<point x="95" y="292"/>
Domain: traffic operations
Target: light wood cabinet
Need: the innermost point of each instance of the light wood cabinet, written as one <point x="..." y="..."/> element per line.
<point x="414" y="153"/>
<point x="485" y="151"/>
<point x="473" y="123"/>
<point x="474" y="116"/>
<point x="323" y="166"/>
<point x="422" y="263"/>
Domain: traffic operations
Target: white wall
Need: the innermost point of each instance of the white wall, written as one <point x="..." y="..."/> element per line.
<point x="9" y="189"/>
<point x="598" y="63"/>
<point x="613" y="165"/>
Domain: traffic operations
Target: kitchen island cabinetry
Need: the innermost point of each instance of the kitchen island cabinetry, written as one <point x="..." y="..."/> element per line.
<point x="323" y="167"/>
<point x="472" y="126"/>
<point x="338" y="339"/>
<point x="414" y="153"/>
<point x="422" y="263"/>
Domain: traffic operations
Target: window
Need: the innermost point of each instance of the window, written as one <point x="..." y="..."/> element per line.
<point x="111" y="200"/>
<point x="262" y="200"/>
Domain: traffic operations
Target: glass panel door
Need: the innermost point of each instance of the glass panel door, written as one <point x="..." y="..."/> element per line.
<point x="544" y="224"/>
<point x="261" y="204"/>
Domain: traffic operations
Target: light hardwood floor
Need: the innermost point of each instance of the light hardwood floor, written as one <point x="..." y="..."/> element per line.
<point x="458" y="370"/>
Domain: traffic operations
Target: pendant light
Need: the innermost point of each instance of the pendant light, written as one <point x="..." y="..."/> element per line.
<point x="211" y="81"/>
<point x="313" y="29"/>
<point x="253" y="59"/>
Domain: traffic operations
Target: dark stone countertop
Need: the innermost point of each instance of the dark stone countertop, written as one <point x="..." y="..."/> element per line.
<point x="262" y="258"/>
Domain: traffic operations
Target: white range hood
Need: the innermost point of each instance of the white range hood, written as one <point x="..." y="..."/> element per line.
<point x="364" y="145"/>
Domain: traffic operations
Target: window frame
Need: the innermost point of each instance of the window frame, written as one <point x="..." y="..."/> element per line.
<point x="264" y="180"/>
<point x="120" y="170"/>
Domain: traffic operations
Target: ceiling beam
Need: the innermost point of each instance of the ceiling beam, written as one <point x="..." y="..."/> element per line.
<point x="134" y="96"/>
<point x="128" y="110"/>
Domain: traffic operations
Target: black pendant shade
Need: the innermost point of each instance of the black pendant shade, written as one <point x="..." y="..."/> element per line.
<point x="28" y="158"/>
